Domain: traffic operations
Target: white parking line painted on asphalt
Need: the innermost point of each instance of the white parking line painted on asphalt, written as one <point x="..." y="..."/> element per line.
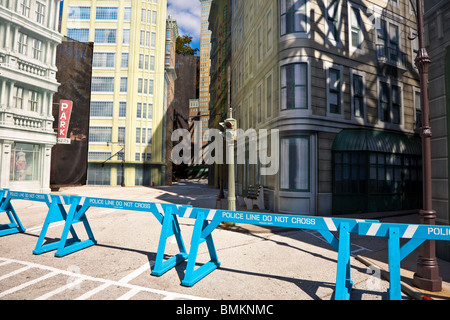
<point x="130" y="294"/>
<point x="29" y="283"/>
<point x="137" y="272"/>
<point x="80" y="277"/>
<point x="60" y="289"/>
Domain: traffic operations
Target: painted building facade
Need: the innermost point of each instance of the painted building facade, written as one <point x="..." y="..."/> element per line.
<point x="437" y="38"/>
<point x="128" y="80"/>
<point x="28" y="40"/>
<point x="337" y="79"/>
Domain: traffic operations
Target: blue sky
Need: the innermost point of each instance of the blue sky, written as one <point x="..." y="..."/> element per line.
<point x="187" y="13"/>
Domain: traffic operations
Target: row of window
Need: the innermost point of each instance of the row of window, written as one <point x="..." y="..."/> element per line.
<point x="109" y="14"/>
<point x="295" y="94"/>
<point x="26" y="99"/>
<point x="109" y="36"/>
<point x="106" y="85"/>
<point x="34" y="10"/>
<point x="104" y="134"/>
<point x="29" y="46"/>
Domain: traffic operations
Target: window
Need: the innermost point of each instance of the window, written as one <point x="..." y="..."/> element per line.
<point x="333" y="13"/>
<point x="81" y="35"/>
<point x="121" y="135"/>
<point x="25" y="162"/>
<point x="139" y="110"/>
<point x="356" y="38"/>
<point x="154" y="16"/>
<point x="269" y="95"/>
<point x="103" y="84"/>
<point x="33" y="98"/>
<point x="295" y="164"/>
<point x="294" y="86"/>
<point x="124" y="60"/>
<point x="126" y="36"/>
<point x="139" y="90"/>
<point x="100" y="134"/>
<point x="106" y="13"/>
<point x="98" y="156"/>
<point x="25" y="8"/>
<point x="293" y="16"/>
<point x="141" y="61"/>
<point x="138" y="136"/>
<point x="37" y="49"/>
<point x="152" y="63"/>
<point x="151" y="86"/>
<point x="40" y="12"/>
<point x="153" y="44"/>
<point x="142" y="38"/>
<point x="390" y="103"/>
<point x="18" y="97"/>
<point x="388" y="42"/>
<point x="127" y="14"/>
<point x="396" y="104"/>
<point x="269" y="32"/>
<point x="22" y="43"/>
<point x="122" y="109"/>
<point x="259" y="103"/>
<point x="101" y="109"/>
<point x="334" y="94"/>
<point x="418" y="107"/>
<point x="79" y="13"/>
<point x="350" y="172"/>
<point x="103" y="60"/>
<point x="123" y="84"/>
<point x="358" y="95"/>
<point x="105" y="35"/>
<point x="384" y="102"/>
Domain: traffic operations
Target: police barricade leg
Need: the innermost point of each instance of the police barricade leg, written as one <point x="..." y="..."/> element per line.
<point x="394" y="290"/>
<point x="77" y="214"/>
<point x="58" y="213"/>
<point x="343" y="273"/>
<point x="15" y="225"/>
<point x="417" y="234"/>
<point x="170" y="227"/>
<point x="202" y="233"/>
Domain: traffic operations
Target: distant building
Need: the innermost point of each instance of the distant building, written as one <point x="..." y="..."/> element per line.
<point x="437" y="37"/>
<point x="337" y="79"/>
<point x="128" y="80"/>
<point x="28" y="40"/>
<point x="169" y="114"/>
<point x="205" y="64"/>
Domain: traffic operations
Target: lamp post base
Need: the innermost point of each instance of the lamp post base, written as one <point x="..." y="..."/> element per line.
<point x="427" y="275"/>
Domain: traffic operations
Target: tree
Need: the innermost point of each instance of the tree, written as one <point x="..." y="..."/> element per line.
<point x="184" y="46"/>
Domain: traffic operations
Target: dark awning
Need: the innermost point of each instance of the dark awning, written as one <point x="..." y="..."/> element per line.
<point x="377" y="141"/>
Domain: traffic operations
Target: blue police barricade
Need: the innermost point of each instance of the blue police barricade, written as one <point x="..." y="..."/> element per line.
<point x="78" y="206"/>
<point x="207" y="220"/>
<point x="170" y="226"/>
<point x="417" y="234"/>
<point x="15" y="225"/>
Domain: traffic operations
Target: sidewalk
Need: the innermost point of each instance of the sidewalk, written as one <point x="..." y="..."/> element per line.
<point x="198" y="194"/>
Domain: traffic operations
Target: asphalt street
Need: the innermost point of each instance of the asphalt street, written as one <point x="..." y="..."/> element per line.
<point x="257" y="264"/>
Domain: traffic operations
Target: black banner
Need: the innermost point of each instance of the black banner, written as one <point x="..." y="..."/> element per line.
<point x="69" y="161"/>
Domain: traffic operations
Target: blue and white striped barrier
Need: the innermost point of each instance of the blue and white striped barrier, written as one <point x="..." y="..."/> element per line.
<point x="206" y="221"/>
<point x="78" y="207"/>
<point x="416" y="235"/>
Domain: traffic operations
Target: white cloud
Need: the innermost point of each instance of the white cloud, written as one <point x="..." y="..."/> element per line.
<point x="187" y="13"/>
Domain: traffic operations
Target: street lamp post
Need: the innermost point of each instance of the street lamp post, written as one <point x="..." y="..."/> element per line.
<point x="427" y="274"/>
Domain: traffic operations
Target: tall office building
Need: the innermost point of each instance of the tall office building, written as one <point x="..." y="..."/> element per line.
<point x="28" y="40"/>
<point x="205" y="65"/>
<point x="127" y="99"/>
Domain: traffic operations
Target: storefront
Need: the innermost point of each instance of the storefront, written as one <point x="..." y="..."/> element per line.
<point x="376" y="171"/>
